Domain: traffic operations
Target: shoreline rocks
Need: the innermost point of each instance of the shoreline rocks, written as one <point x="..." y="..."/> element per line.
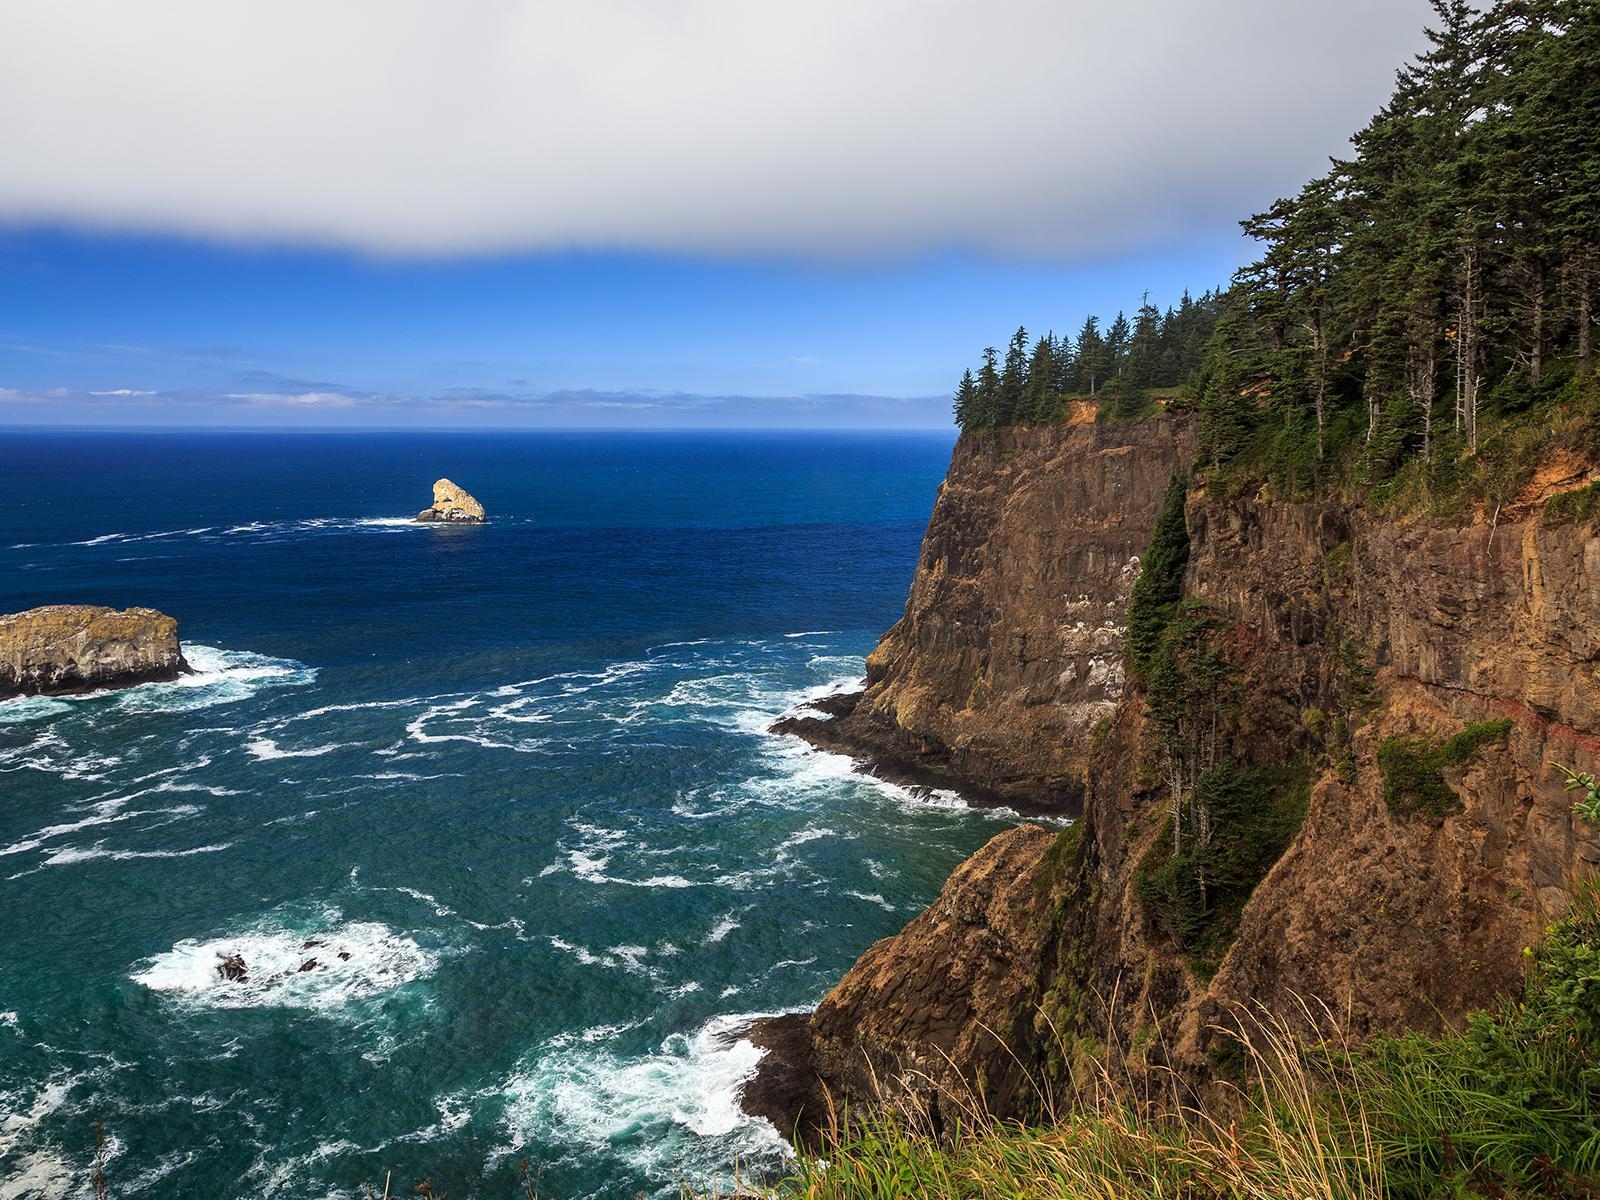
<point x="62" y="649"/>
<point x="452" y="505"/>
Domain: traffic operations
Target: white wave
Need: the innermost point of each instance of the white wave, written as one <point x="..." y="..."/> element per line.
<point x="721" y="930"/>
<point x="871" y="898"/>
<point x="68" y="855"/>
<point x="10" y="1020"/>
<point x="591" y="869"/>
<point x="391" y="522"/>
<point x="107" y="812"/>
<point x="30" y="1170"/>
<point x="379" y="960"/>
<point x="811" y="633"/>
<point x="673" y="1114"/>
<point x="31" y="708"/>
<point x="266" y="749"/>
<point x="218" y="677"/>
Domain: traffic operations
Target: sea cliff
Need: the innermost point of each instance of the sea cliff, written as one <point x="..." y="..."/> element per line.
<point x="1010" y="652"/>
<point x="1394" y="688"/>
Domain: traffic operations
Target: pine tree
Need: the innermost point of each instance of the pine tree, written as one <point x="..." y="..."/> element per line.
<point x="1014" y="380"/>
<point x="1043" y="403"/>
<point x="966" y="401"/>
<point x="1091" y="356"/>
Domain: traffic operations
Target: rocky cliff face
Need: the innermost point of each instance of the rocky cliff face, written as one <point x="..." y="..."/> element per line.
<point x="81" y="647"/>
<point x="1348" y="629"/>
<point x="1010" y="651"/>
<point x="453" y="504"/>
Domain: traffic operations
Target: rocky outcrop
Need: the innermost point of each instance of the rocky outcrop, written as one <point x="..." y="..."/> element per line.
<point x="1009" y="654"/>
<point x="1346" y="628"/>
<point x="65" y="648"/>
<point x="927" y="1011"/>
<point x="452" y="504"/>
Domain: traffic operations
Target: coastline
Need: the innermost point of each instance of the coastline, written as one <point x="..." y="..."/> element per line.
<point x="829" y="724"/>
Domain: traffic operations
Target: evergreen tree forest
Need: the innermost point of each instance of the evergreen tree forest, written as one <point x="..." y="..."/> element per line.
<point x="1124" y="365"/>
<point x="1422" y="316"/>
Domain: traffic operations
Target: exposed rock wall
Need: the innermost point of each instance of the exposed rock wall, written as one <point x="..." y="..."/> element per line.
<point x="81" y="647"/>
<point x="1392" y="921"/>
<point x="1010" y="649"/>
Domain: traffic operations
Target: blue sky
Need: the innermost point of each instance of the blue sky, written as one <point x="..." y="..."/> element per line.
<point x="716" y="219"/>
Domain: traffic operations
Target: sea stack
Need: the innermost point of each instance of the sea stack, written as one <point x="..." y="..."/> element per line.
<point x="64" y="648"/>
<point x="453" y="504"/>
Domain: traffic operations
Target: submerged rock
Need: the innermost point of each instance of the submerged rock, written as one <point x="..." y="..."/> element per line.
<point x="452" y="503"/>
<point x="64" y="648"/>
<point x="233" y="969"/>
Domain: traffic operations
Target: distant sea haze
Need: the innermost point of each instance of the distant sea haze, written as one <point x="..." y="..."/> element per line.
<point x="509" y="785"/>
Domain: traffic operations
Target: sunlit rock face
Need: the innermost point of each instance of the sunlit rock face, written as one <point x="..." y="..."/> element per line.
<point x="64" y="648"/>
<point x="452" y="503"/>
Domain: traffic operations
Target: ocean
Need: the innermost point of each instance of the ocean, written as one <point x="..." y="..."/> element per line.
<point x="509" y="785"/>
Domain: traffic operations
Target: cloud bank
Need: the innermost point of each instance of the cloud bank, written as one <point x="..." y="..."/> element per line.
<point x="829" y="128"/>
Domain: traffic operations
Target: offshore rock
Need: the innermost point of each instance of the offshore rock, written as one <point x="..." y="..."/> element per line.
<point x="64" y="648"/>
<point x="1010" y="650"/>
<point x="452" y="503"/>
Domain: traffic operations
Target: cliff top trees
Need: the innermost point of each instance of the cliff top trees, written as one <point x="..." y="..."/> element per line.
<point x="1442" y="278"/>
<point x="1033" y="383"/>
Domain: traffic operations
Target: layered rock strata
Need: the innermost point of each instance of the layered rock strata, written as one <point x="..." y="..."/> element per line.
<point x="65" y="648"/>
<point x="452" y="504"/>
<point x="1010" y="650"/>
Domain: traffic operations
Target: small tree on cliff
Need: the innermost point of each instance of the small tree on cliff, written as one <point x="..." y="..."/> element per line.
<point x="1159" y="588"/>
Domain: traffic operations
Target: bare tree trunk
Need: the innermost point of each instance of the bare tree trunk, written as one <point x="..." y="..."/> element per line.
<point x="1536" y="354"/>
<point x="1467" y="381"/>
<point x="1322" y="381"/>
<point x="1585" y="312"/>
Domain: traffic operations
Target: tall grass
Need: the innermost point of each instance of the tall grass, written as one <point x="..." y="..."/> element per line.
<point x="1282" y="1134"/>
<point x="1507" y="1107"/>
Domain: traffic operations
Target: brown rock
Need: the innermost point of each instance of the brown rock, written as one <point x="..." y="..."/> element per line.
<point x="64" y="648"/>
<point x="929" y="1013"/>
<point x="1010" y="650"/>
<point x="452" y="504"/>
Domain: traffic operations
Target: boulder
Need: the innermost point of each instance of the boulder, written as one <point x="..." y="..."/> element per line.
<point x="65" y="648"/>
<point x="452" y="504"/>
<point x="233" y="969"/>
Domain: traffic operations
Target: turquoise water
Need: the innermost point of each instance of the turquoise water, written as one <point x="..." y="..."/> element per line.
<point x="512" y="780"/>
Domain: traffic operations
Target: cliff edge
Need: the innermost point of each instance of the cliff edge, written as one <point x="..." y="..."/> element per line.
<point x="64" y="648"/>
<point x="1010" y="652"/>
<point x="1364" y="705"/>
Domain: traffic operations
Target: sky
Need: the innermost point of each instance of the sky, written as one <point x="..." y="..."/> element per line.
<point x="631" y="213"/>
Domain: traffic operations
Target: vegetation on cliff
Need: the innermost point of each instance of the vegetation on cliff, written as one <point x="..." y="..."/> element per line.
<point x="1436" y="287"/>
<point x="1509" y="1107"/>
<point x="1127" y="365"/>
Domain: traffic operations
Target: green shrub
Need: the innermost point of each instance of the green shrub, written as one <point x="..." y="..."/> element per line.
<point x="1512" y="1102"/>
<point x="1571" y="508"/>
<point x="1195" y="898"/>
<point x="1413" y="769"/>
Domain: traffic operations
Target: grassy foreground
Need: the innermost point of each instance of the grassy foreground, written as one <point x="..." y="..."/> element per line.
<point x="1508" y="1107"/>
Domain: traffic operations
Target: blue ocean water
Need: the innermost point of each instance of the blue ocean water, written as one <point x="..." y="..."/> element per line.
<point x="509" y="785"/>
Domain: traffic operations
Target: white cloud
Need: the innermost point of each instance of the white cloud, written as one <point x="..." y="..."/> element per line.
<point x="293" y="399"/>
<point x="829" y="127"/>
<point x="123" y="392"/>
